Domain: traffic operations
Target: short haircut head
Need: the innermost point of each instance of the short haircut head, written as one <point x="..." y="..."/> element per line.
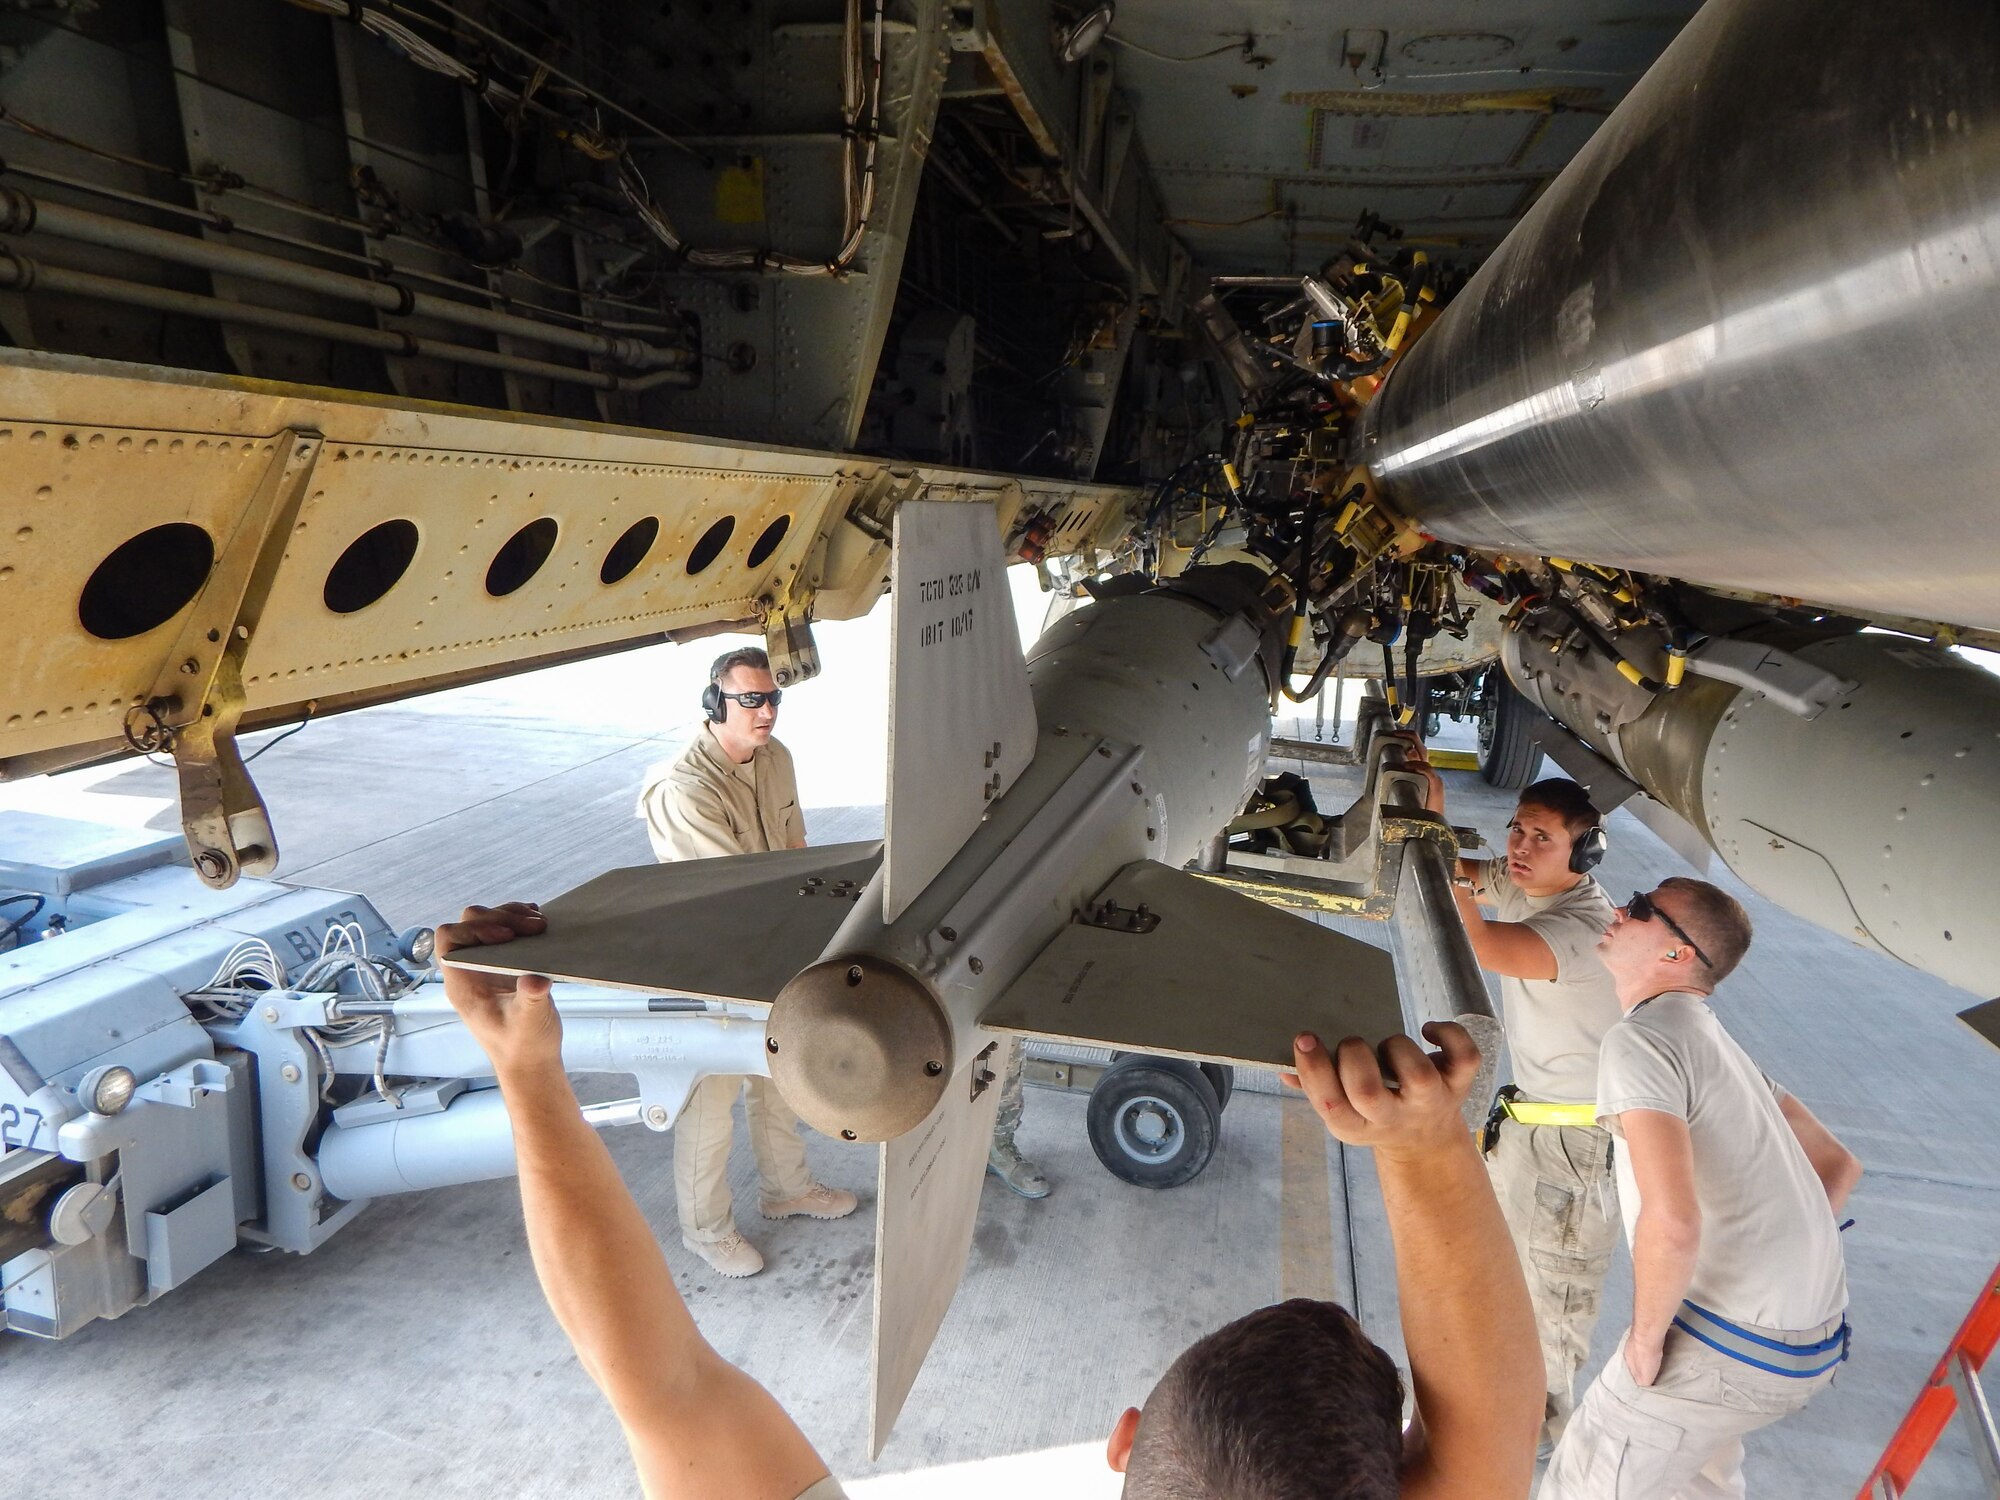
<point x="752" y="657"/>
<point x="1289" y="1403"/>
<point x="1566" y="800"/>
<point x="1715" y="920"/>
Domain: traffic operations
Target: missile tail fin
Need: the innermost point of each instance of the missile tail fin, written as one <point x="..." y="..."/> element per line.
<point x="961" y="722"/>
<point x="1984" y="1019"/>
<point x="926" y="1202"/>
<point x="1168" y="962"/>
<point x="737" y="927"/>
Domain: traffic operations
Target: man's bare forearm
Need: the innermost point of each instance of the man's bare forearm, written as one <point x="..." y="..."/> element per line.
<point x="598" y="1261"/>
<point x="1837" y="1168"/>
<point x="697" y="1426"/>
<point x="1663" y="1255"/>
<point x="1467" y="1323"/>
<point x="1474" y="919"/>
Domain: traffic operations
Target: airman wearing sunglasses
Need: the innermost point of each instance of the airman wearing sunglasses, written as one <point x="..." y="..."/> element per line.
<point x="1549" y="1160"/>
<point x="1731" y="1191"/>
<point x="732" y="790"/>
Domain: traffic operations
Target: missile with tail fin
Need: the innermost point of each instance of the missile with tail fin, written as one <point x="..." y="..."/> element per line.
<point x="1040" y="812"/>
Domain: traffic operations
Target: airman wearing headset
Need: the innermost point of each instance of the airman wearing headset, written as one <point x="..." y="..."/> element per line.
<point x="732" y="790"/>
<point x="1549" y="1160"/>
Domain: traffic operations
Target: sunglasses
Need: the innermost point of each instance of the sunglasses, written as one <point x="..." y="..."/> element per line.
<point x="1640" y="909"/>
<point x="757" y="700"/>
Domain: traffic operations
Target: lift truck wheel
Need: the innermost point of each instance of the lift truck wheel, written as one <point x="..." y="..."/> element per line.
<point x="1221" y="1077"/>
<point x="1508" y="752"/>
<point x="1154" y="1121"/>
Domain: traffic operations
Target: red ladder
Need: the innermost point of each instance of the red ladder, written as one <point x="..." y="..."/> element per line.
<point x="1953" y="1386"/>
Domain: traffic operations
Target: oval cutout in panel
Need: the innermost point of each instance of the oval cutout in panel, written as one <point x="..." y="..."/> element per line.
<point x="522" y="557"/>
<point x="373" y="563"/>
<point x="146" y="581"/>
<point x="711" y="544"/>
<point x="765" y="545"/>
<point x="629" y="550"/>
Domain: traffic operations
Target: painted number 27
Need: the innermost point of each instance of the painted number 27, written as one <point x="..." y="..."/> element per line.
<point x="13" y="1120"/>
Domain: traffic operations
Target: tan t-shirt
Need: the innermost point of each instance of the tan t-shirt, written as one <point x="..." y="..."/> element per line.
<point x="1770" y="1251"/>
<point x="701" y="803"/>
<point x="827" y="1489"/>
<point x="1555" y="1026"/>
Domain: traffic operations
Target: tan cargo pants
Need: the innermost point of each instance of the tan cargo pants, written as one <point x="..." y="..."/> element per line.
<point x="1560" y="1200"/>
<point x="1680" y="1438"/>
<point x="702" y="1137"/>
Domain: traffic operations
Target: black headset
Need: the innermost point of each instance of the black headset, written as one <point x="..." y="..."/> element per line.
<point x="713" y="706"/>
<point x="1587" y="850"/>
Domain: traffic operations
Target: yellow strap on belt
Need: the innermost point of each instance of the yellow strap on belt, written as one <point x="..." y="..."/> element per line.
<point x="1533" y="1112"/>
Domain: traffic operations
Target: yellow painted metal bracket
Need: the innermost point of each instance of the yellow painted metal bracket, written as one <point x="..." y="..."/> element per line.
<point x="423" y="546"/>
<point x="197" y="696"/>
<point x="1302" y="893"/>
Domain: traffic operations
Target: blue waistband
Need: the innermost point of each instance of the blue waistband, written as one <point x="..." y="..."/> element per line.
<point x="1795" y="1359"/>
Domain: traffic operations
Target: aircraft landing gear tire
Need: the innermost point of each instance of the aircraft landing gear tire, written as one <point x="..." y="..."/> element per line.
<point x="1154" y="1121"/>
<point x="1508" y="752"/>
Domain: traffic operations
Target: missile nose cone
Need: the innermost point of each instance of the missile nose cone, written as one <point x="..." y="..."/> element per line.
<point x="860" y="1048"/>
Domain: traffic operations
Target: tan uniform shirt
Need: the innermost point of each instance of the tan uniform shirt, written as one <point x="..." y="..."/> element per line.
<point x="701" y="803"/>
<point x="1770" y="1250"/>
<point x="1555" y="1026"/>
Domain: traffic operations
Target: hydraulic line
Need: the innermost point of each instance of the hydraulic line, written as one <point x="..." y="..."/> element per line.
<point x="1626" y="668"/>
<point x="218" y="184"/>
<point x="1413" y="293"/>
<point x="22" y="214"/>
<point x="1301" y="591"/>
<point x="18" y="273"/>
<point x="1348" y="632"/>
<point x="1389" y="693"/>
<point x="1413" y="649"/>
<point x="378" y="264"/>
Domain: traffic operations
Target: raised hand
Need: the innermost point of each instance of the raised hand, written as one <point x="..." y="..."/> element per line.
<point x="510" y="1016"/>
<point x="1417" y="758"/>
<point x="1400" y="1099"/>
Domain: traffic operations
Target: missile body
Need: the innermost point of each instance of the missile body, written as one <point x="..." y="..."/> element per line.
<point x="1876" y="817"/>
<point x="1153" y="727"/>
<point x="1029" y="884"/>
<point x="1743" y="337"/>
<point x="1739" y="342"/>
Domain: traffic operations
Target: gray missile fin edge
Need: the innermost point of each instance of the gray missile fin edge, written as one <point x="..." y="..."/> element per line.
<point x="736" y="927"/>
<point x="1203" y="973"/>
<point x="926" y="1204"/>
<point x="961" y="720"/>
<point x="1984" y="1019"/>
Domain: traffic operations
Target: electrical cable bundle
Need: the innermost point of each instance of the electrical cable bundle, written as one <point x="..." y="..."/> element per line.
<point x="252" y="969"/>
<point x="861" y="77"/>
<point x="10" y="932"/>
<point x="861" y="95"/>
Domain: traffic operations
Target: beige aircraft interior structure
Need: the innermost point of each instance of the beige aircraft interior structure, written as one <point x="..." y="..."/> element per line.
<point x="1567" y="367"/>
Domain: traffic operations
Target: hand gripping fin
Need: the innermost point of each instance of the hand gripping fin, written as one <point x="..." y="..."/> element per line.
<point x="736" y="927"/>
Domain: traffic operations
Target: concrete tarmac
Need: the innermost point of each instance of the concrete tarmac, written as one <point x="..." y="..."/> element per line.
<point x="413" y="1353"/>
